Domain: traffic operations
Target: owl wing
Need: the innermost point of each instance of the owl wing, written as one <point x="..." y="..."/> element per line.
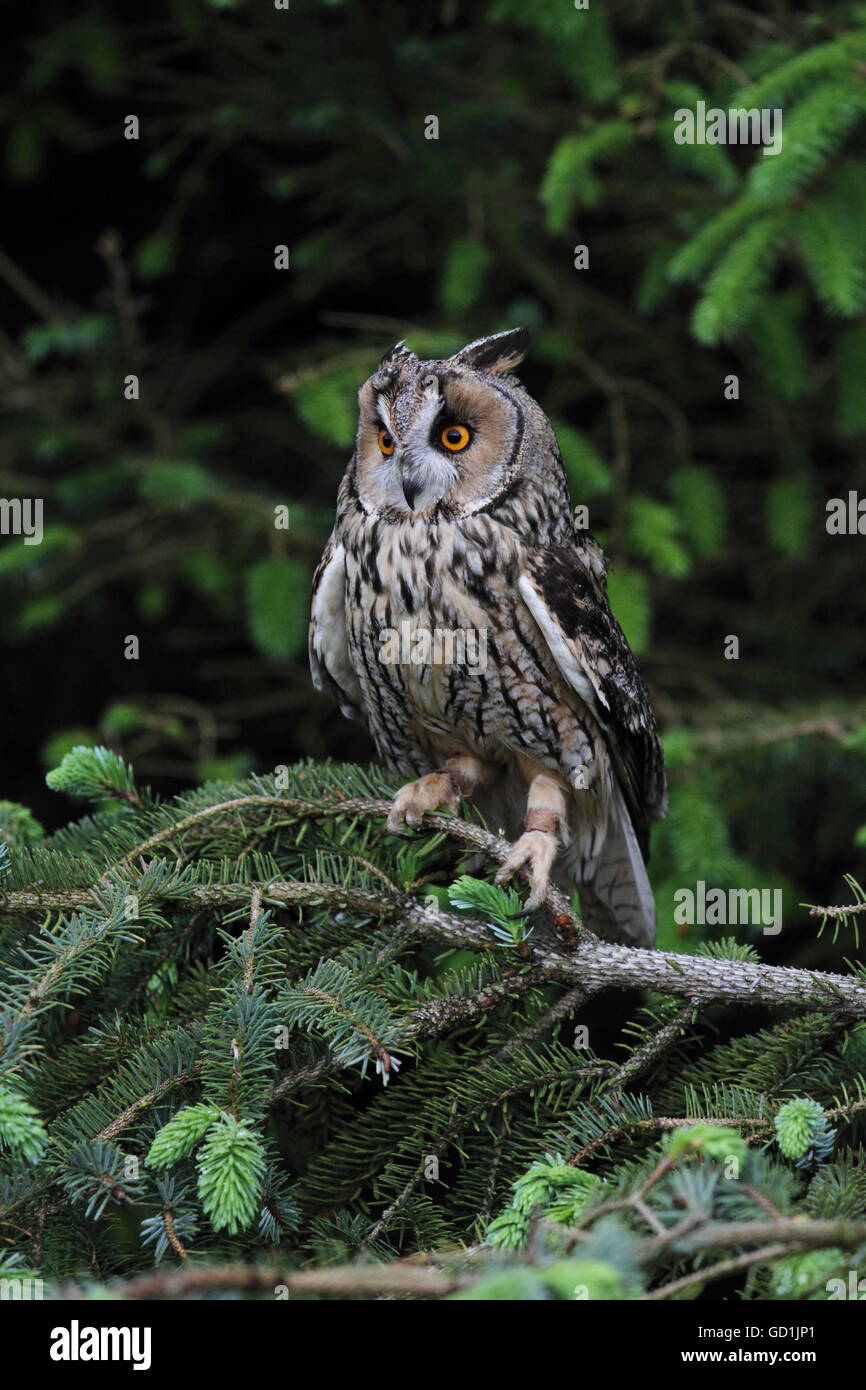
<point x="564" y="590"/>
<point x="330" y="661"/>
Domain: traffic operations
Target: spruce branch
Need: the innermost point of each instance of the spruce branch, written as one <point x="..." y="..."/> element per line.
<point x="358" y="1011"/>
<point x="588" y="961"/>
<point x="460" y="1121"/>
<point x="404" y="1277"/>
<point x="720" y="1270"/>
<point x="438" y="1276"/>
<point x="651" y="1051"/>
<point x="94" y="773"/>
<point x="840" y="916"/>
<point x="797" y="1232"/>
<point x="429" y="1021"/>
<point x="598" y="965"/>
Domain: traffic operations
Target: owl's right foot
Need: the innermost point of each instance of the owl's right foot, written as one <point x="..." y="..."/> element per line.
<point x="536" y="850"/>
<point x="534" y="853"/>
<point x="427" y="794"/>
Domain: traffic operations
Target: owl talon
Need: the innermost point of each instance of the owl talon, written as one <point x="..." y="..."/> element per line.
<point x="535" y="851"/>
<point x="427" y="794"/>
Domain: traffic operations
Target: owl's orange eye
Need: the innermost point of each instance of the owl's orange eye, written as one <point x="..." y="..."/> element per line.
<point x="455" y="437"/>
<point x="386" y="442"/>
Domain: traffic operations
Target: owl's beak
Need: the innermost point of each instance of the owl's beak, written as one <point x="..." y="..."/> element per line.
<point x="411" y="487"/>
<point x="410" y="482"/>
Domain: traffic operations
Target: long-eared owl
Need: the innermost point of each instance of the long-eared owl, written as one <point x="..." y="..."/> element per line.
<point x="461" y="613"/>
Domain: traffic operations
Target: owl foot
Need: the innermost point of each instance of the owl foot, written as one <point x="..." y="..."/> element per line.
<point x="427" y="794"/>
<point x="535" y="850"/>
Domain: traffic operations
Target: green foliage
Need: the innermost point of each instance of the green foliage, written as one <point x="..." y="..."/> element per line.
<point x="693" y="259"/>
<point x="628" y="592"/>
<point x="231" y="1166"/>
<point x="18" y="826"/>
<point x="463" y="275"/>
<point x="175" y="1225"/>
<point x="700" y="504"/>
<point x="813" y="132"/>
<point x="498" y="905"/>
<point x="584" y="1279"/>
<point x="705" y="259"/>
<point x="570" y="180"/>
<point x="561" y="1279"/>
<point x="711" y="1140"/>
<point x="277" y="590"/>
<point x="579" y="43"/>
<point x="549" y="1189"/>
<point x="327" y="405"/>
<point x="198" y="1039"/>
<point x="850" y="368"/>
<point x="17" y="558"/>
<point x="795" y="74"/>
<point x="21" y="1130"/>
<point x="845" y="916"/>
<point x="185" y="480"/>
<point x="710" y="163"/>
<point x="790" y="508"/>
<point x="78" y="334"/>
<point x="828" y="234"/>
<point x="180" y="1136"/>
<point x="737" y="285"/>
<point x="802" y="1132"/>
<point x="652" y="532"/>
<point x="510" y="1286"/>
<point x="804" y="1276"/>
<point x="93" y="773"/>
<point x="187" y="1053"/>
<point x="94" y="1176"/>
<point x="155" y="256"/>
<point x="587" y="471"/>
<point x="777" y="337"/>
<point x="354" y="1021"/>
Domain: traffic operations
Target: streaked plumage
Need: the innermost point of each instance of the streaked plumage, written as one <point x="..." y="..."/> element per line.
<point x="484" y="539"/>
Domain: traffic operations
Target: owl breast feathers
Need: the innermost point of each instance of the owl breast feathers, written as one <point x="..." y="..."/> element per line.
<point x="462" y="615"/>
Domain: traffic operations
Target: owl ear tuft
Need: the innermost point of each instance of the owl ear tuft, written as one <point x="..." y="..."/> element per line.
<point x="501" y="352"/>
<point x="395" y="354"/>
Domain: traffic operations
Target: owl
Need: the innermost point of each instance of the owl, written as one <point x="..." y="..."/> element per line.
<point x="460" y="612"/>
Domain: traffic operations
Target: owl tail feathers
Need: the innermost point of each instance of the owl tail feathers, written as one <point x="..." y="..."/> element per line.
<point x="618" y="901"/>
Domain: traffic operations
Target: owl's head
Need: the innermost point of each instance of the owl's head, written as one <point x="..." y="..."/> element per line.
<point x="441" y="430"/>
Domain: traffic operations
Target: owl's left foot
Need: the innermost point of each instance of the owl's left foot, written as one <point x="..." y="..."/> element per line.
<point x="427" y="794"/>
<point x="535" y="850"/>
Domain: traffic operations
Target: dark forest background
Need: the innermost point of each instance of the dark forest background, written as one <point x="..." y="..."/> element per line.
<point x="306" y="128"/>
